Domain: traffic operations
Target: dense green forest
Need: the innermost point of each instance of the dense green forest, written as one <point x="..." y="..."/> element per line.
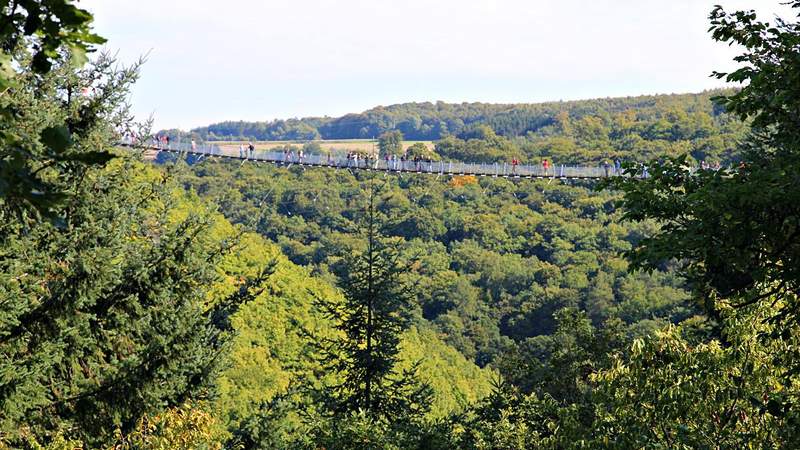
<point x="211" y="304"/>
<point x="639" y="128"/>
<point x="694" y="113"/>
<point x="497" y="258"/>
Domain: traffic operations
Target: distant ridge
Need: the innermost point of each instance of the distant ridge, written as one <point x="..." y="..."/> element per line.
<point x="433" y="121"/>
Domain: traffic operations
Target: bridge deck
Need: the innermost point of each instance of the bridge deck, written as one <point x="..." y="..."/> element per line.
<point x="453" y="168"/>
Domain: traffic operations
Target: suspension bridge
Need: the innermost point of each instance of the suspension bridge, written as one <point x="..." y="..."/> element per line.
<point x="330" y="161"/>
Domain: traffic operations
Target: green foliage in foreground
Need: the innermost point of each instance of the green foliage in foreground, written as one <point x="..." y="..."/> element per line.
<point x="738" y="231"/>
<point x="104" y="317"/>
<point x="55" y="24"/>
<point x="34" y="35"/>
<point x="119" y="307"/>
<point x="665" y="393"/>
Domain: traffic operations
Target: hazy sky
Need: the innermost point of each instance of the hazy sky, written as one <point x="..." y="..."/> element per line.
<point x="258" y="60"/>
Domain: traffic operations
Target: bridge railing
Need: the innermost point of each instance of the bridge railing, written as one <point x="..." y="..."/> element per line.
<point x="433" y="167"/>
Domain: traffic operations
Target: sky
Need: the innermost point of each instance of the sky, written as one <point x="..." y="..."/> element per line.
<point x="209" y="61"/>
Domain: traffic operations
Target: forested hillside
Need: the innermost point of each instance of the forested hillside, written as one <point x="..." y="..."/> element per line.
<point x="434" y="121"/>
<point x="210" y="304"/>
<point x="270" y="352"/>
<point x="497" y="258"/>
<point x="638" y="128"/>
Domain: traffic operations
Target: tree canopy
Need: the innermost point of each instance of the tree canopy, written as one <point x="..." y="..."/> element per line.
<point x="211" y="304"/>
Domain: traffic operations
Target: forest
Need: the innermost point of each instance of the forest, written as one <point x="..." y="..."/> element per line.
<point x="636" y="128"/>
<point x="693" y="113"/>
<point x="212" y="304"/>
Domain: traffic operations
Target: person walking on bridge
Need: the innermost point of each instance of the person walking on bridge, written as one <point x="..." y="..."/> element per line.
<point x="241" y="151"/>
<point x="545" y="166"/>
<point x="514" y="163"/>
<point x="606" y="166"/>
<point x="251" y="149"/>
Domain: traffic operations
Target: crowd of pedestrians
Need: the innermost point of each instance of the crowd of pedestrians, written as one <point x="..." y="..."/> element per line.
<point x="404" y="162"/>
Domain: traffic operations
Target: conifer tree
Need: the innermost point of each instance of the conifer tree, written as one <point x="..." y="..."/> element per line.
<point x="371" y="319"/>
<point x="34" y="34"/>
<point x="105" y="312"/>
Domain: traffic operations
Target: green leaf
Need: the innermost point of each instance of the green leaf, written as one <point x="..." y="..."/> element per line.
<point x="79" y="57"/>
<point x="57" y="138"/>
<point x="97" y="157"/>
<point x="7" y="73"/>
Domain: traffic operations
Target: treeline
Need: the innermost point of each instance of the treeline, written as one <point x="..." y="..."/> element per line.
<point x="434" y="121"/>
<point x="137" y="316"/>
<point x="638" y="128"/>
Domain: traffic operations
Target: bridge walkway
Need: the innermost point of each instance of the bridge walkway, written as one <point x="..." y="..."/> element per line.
<point x="452" y="168"/>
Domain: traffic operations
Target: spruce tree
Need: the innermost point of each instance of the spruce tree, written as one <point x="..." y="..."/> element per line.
<point x="371" y="319"/>
<point x="33" y="37"/>
<point x="106" y="314"/>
